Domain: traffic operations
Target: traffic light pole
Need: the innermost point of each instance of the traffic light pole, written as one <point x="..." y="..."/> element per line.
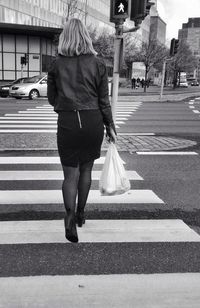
<point x="118" y="56"/>
<point x="22" y="70"/>
<point x="163" y="79"/>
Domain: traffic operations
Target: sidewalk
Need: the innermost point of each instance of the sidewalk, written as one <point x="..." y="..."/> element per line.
<point x="125" y="142"/>
<point x="153" y="94"/>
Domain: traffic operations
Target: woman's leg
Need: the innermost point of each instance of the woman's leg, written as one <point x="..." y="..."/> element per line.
<point x="69" y="190"/>
<point x="84" y="185"/>
<point x="69" y="187"/>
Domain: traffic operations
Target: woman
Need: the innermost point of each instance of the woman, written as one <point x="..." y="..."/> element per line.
<point x="78" y="90"/>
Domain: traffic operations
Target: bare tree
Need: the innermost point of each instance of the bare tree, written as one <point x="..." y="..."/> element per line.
<point x="130" y="51"/>
<point x="183" y="61"/>
<point x="73" y="8"/>
<point x="151" y="54"/>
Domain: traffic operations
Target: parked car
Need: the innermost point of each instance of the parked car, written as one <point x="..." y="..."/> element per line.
<point x="33" y="87"/>
<point x="183" y="84"/>
<point x="194" y="83"/>
<point x="4" y="89"/>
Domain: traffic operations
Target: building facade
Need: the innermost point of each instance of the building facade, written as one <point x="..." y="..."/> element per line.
<point x="190" y="34"/>
<point x="29" y="27"/>
<point x="157" y="30"/>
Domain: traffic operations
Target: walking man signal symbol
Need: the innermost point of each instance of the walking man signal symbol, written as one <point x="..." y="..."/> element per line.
<point x="121" y="8"/>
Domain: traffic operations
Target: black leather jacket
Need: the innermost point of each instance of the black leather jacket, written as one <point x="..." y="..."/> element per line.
<point x="79" y="83"/>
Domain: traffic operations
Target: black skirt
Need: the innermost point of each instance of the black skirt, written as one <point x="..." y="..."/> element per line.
<point x="79" y="136"/>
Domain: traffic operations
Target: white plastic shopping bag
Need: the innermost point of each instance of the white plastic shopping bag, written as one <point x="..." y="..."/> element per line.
<point x="113" y="180"/>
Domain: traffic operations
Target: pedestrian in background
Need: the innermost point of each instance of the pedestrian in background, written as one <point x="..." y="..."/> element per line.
<point x="133" y="81"/>
<point x="78" y="91"/>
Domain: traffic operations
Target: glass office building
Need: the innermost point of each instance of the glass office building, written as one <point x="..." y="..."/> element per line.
<point x="29" y="27"/>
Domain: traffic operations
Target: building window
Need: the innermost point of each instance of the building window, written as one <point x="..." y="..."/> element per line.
<point x="34" y="44"/>
<point x="8" y="42"/>
<point x="9" y="61"/>
<point x="21" y="43"/>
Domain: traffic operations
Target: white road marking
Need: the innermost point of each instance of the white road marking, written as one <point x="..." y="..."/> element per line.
<point x="25" y="121"/>
<point x="98" y="231"/>
<point x="35" y="112"/>
<point x="28" y="126"/>
<point x="55" y="197"/>
<point x="136" y="134"/>
<point x="35" y="131"/>
<point x="192" y="107"/>
<point x="167" y="153"/>
<point x="196" y="111"/>
<point x="27" y="118"/>
<point x="30" y="115"/>
<point x="33" y="175"/>
<point x="172" y="290"/>
<point x="42" y="125"/>
<point x="52" y="115"/>
<point x="38" y="160"/>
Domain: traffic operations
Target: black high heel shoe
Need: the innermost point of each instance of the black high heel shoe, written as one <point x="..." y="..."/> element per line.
<point x="70" y="228"/>
<point x="80" y="218"/>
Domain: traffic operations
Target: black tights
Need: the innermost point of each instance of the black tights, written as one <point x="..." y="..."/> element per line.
<point x="76" y="180"/>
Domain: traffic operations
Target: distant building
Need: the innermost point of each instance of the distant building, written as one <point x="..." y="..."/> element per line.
<point x="157" y="29"/>
<point x="157" y="33"/>
<point x="190" y="33"/>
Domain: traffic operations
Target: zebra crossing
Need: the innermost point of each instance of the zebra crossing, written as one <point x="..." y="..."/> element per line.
<point x="43" y="119"/>
<point x="43" y="269"/>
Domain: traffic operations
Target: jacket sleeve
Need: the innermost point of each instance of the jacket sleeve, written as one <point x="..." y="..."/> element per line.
<point x="51" y="84"/>
<point x="104" y="103"/>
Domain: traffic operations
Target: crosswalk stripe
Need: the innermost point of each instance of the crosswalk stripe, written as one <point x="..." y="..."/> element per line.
<point x="35" y="131"/>
<point x="52" y="114"/>
<point x="167" y="153"/>
<point x="28" y="118"/>
<point x="26" y="126"/>
<point x="32" y="130"/>
<point x="55" y="197"/>
<point x="42" y="125"/>
<point x="31" y="115"/>
<point x="114" y="290"/>
<point x="24" y="175"/>
<point x="51" y="111"/>
<point x="98" y="231"/>
<point x="25" y="121"/>
<point x="38" y="160"/>
<point x="35" y="111"/>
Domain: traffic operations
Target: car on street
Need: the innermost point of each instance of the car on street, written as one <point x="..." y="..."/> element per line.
<point x="194" y="83"/>
<point x="183" y="84"/>
<point x="32" y="88"/>
<point x="4" y="89"/>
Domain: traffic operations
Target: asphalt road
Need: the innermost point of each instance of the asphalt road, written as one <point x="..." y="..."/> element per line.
<point x="168" y="190"/>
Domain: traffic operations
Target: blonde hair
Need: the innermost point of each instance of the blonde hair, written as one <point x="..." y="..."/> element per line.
<point x="75" y="40"/>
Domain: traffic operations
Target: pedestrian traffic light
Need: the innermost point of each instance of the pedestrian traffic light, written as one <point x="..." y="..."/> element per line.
<point x="174" y="47"/>
<point x="139" y="10"/>
<point x="119" y="9"/>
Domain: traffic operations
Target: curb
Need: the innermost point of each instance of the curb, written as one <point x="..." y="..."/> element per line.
<point x="131" y="144"/>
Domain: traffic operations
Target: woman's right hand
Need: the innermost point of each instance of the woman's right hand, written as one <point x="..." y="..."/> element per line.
<point x="111" y="134"/>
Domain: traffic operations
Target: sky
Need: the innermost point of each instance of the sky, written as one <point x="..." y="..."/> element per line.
<point x="177" y="12"/>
